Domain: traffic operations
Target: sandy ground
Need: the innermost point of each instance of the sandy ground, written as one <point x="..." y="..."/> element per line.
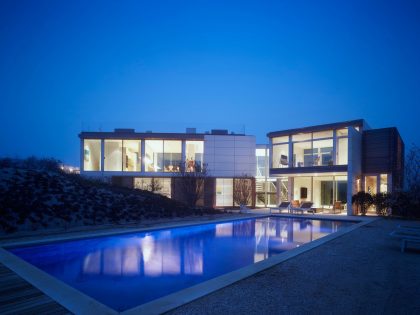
<point x="362" y="272"/>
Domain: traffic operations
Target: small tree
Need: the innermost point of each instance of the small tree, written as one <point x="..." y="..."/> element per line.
<point x="382" y="202"/>
<point x="363" y="201"/>
<point x="155" y="185"/>
<point x="191" y="183"/>
<point x="242" y="190"/>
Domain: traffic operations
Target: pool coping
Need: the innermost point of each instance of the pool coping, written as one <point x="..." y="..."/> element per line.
<point x="80" y="303"/>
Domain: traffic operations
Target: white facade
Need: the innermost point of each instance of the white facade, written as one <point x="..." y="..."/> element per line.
<point x="229" y="155"/>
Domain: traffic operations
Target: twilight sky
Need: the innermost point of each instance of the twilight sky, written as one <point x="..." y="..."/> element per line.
<point x="257" y="66"/>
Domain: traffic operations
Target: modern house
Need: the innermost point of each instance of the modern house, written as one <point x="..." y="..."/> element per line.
<point x="327" y="164"/>
<point x="324" y="164"/>
<point x="137" y="160"/>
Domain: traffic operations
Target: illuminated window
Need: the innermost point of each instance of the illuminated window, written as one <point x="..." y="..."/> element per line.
<point x="113" y="155"/>
<point x="92" y="155"/>
<point x="194" y="155"/>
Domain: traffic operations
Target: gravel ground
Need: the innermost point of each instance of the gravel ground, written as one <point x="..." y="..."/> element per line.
<point x="362" y="272"/>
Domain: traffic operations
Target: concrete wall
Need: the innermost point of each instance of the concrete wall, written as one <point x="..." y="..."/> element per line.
<point x="230" y="156"/>
<point x="354" y="166"/>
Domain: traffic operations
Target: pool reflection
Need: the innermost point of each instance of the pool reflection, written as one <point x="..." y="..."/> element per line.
<point x="127" y="270"/>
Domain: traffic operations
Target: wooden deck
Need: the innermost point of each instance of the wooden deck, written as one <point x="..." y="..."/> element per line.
<point x="20" y="297"/>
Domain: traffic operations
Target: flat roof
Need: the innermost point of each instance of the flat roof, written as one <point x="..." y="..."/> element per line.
<point x="148" y="135"/>
<point x="342" y="124"/>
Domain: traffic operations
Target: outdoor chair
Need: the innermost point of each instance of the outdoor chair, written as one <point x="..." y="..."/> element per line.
<point x="406" y="235"/>
<point x="284" y="205"/>
<point x="305" y="206"/>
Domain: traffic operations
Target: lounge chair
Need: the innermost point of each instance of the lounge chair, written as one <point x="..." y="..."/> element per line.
<point x="305" y="206"/>
<point x="406" y="235"/>
<point x="284" y="205"/>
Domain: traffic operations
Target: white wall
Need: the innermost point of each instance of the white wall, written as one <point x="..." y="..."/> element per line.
<point x="229" y="155"/>
<point x="354" y="165"/>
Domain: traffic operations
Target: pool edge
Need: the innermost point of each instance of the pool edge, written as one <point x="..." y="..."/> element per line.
<point x="80" y="303"/>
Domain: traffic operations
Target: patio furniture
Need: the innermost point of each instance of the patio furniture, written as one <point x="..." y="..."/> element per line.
<point x="284" y="205"/>
<point x="305" y="206"/>
<point x="406" y="235"/>
<point x="337" y="207"/>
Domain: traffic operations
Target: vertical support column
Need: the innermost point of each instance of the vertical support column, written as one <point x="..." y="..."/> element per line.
<point x="183" y="153"/>
<point x="290" y="184"/>
<point x="266" y="171"/>
<point x="143" y="154"/>
<point x="290" y="152"/>
<point x="334" y="153"/>
<point x="102" y="155"/>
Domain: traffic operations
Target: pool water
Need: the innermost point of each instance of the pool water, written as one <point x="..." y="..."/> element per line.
<point x="128" y="270"/>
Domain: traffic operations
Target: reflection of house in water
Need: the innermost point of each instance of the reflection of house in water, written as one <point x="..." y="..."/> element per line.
<point x="149" y="257"/>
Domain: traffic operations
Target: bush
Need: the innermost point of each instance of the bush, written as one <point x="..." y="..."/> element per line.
<point x="363" y="201"/>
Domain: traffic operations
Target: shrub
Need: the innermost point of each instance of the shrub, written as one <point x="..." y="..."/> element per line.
<point x="363" y="201"/>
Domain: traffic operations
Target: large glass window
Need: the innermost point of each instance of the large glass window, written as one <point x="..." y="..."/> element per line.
<point x="224" y="192"/>
<point x="342" y="151"/>
<point x="157" y="185"/>
<point x="302" y="154"/>
<point x="371" y="184"/>
<point x="172" y="155"/>
<point x="261" y="155"/>
<point x="194" y="151"/>
<point x="280" y="156"/>
<point x="302" y="137"/>
<point x="132" y="155"/>
<point x="384" y="183"/>
<point x="153" y="157"/>
<point x="91" y="155"/>
<point x="322" y="134"/>
<point x="323" y="152"/>
<point x="280" y="139"/>
<point x="113" y="155"/>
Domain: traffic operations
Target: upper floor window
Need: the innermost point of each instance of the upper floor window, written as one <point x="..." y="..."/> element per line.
<point x="91" y="154"/>
<point x="283" y="139"/>
<point x="162" y="155"/>
<point x="194" y="151"/>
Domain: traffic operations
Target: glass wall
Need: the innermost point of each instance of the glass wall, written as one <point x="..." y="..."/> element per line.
<point x="283" y="184"/>
<point x="384" y="183"/>
<point x="224" y="192"/>
<point x="132" y="155"/>
<point x="194" y="151"/>
<point x="261" y="156"/>
<point x="172" y="155"/>
<point x="280" y="155"/>
<point x="371" y="184"/>
<point x="113" y="155"/>
<point x="311" y="149"/>
<point x="157" y="185"/>
<point x="153" y="156"/>
<point x="92" y="155"/>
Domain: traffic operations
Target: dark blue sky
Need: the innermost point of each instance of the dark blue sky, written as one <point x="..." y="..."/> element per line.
<point x="164" y="66"/>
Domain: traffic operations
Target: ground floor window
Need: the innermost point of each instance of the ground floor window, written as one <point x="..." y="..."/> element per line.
<point x="325" y="192"/>
<point x="157" y="185"/>
<point x="224" y="192"/>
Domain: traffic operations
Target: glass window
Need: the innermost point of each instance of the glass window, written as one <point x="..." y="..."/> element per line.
<point x="280" y="139"/>
<point x="342" y="132"/>
<point x="323" y="134"/>
<point x="302" y="154"/>
<point x="302" y="137"/>
<point x="194" y="151"/>
<point x="261" y="162"/>
<point x="113" y="155"/>
<point x="280" y="156"/>
<point x="172" y="155"/>
<point x="91" y="155"/>
<point x="224" y="192"/>
<point x="384" y="183"/>
<point x="132" y="155"/>
<point x="153" y="157"/>
<point x="157" y="185"/>
<point x="371" y="184"/>
<point x="342" y="151"/>
<point x="341" y="190"/>
<point x="323" y="152"/>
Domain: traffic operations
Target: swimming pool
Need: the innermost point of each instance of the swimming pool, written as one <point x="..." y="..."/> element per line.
<point x="124" y="271"/>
